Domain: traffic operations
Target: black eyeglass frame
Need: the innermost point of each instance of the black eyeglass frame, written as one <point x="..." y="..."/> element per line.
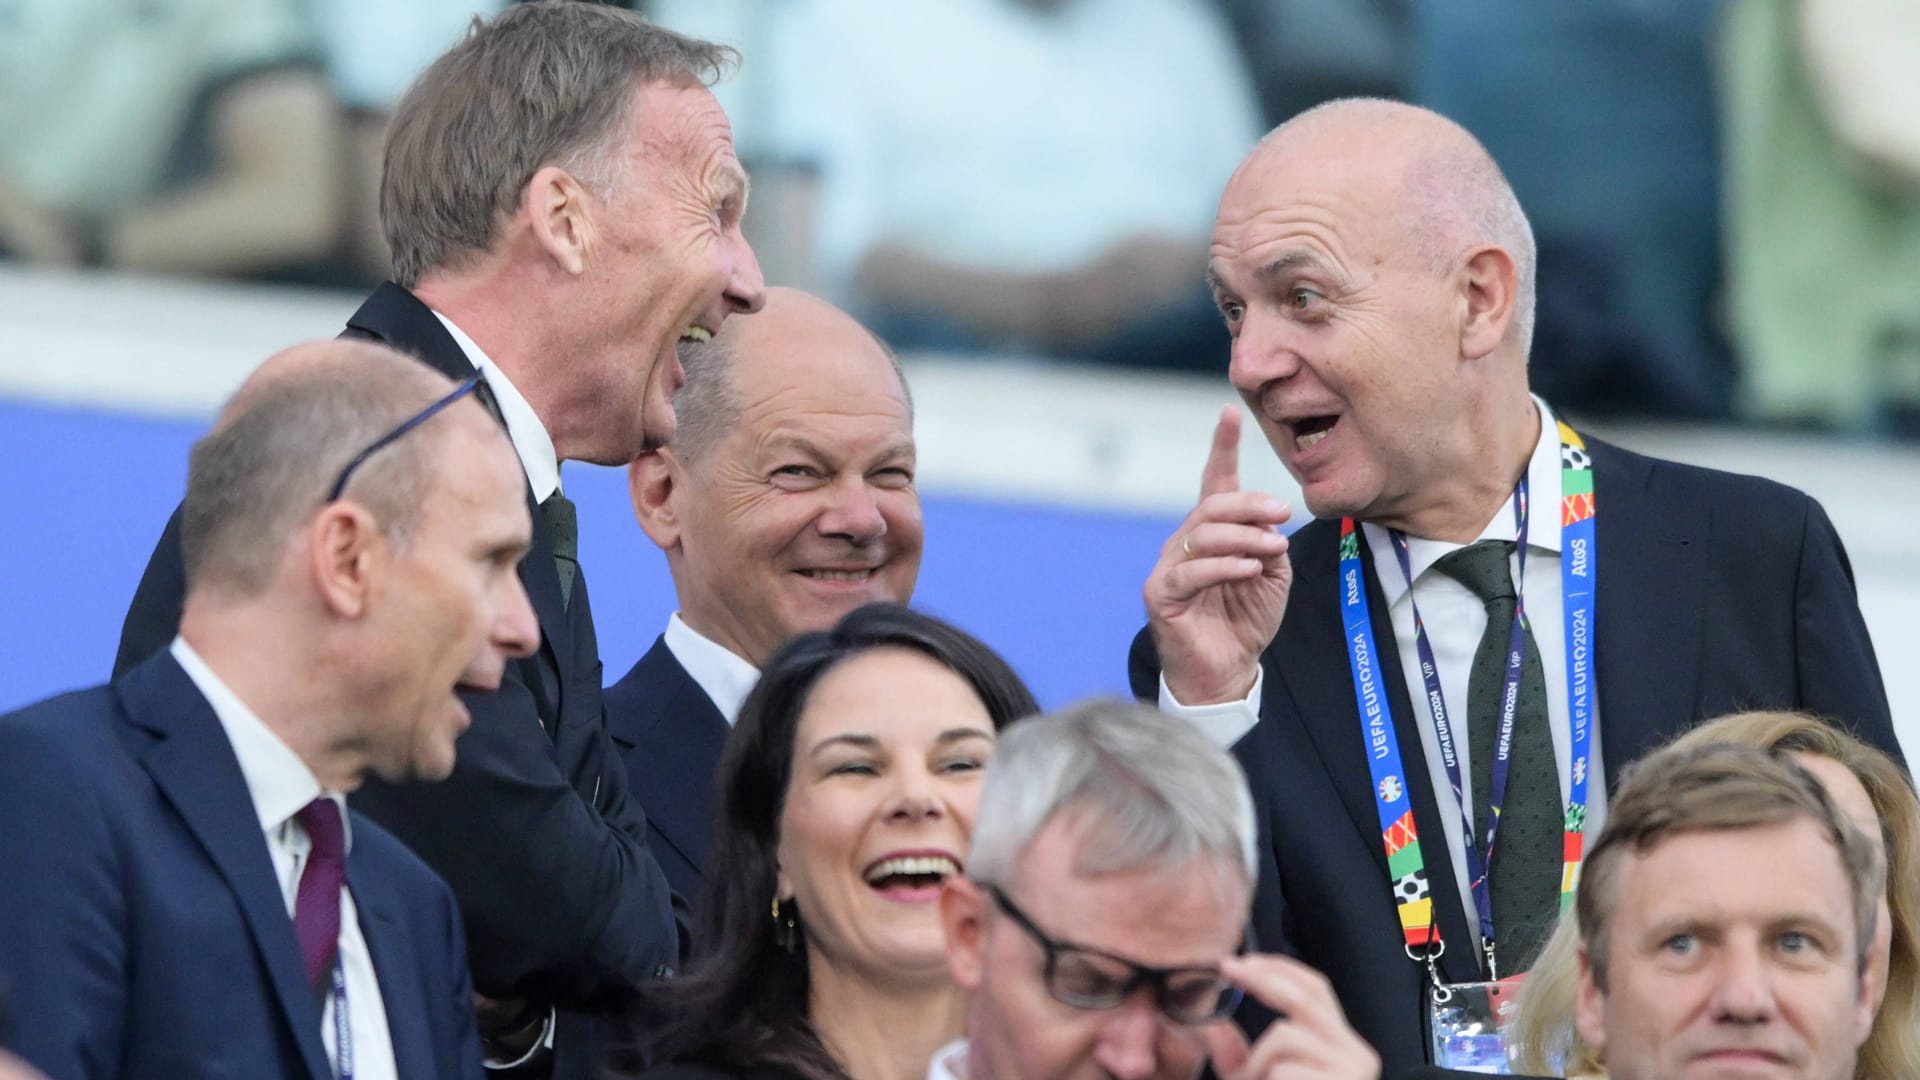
<point x="339" y="487"/>
<point x="1158" y="978"/>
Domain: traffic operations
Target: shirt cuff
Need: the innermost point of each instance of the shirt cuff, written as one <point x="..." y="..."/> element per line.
<point x="1224" y="723"/>
<point x="540" y="1048"/>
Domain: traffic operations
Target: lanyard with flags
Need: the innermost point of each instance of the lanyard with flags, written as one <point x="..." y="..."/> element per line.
<point x="1579" y="575"/>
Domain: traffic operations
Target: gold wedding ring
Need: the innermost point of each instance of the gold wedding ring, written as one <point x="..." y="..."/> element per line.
<point x="1184" y="545"/>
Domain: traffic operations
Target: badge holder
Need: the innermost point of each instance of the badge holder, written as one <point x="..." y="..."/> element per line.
<point x="1466" y="1022"/>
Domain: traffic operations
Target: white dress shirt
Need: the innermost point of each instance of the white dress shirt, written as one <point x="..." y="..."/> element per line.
<point x="1455" y="619"/>
<point x="720" y="672"/>
<point x="281" y="786"/>
<point x="524" y="429"/>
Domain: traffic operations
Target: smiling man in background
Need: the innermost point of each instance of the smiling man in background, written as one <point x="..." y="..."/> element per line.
<point x="563" y="205"/>
<point x="786" y="500"/>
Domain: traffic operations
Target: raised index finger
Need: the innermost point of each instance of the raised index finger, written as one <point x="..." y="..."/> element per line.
<point x="1222" y="472"/>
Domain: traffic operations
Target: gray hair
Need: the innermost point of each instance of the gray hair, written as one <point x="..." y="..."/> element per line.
<point x="544" y="83"/>
<point x="265" y="468"/>
<point x="707" y="405"/>
<point x="1152" y="790"/>
<point x="1455" y="198"/>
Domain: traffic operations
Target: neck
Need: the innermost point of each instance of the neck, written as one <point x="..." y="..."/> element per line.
<point x="884" y="1032"/>
<point x="1499" y="443"/>
<point x="489" y="304"/>
<point x="293" y="689"/>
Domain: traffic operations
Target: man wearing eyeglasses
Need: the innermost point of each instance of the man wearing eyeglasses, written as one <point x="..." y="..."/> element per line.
<point x="1101" y="926"/>
<point x="563" y="204"/>
<point x="182" y="891"/>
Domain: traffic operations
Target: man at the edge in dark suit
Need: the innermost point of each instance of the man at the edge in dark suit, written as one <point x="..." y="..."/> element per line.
<point x="786" y="500"/>
<point x="182" y="892"/>
<point x="1376" y="274"/>
<point x="563" y="205"/>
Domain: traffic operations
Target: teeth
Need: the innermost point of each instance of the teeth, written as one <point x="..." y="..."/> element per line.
<point x="839" y="575"/>
<point x="938" y="865"/>
<point x="695" y="333"/>
<point x="1305" y="441"/>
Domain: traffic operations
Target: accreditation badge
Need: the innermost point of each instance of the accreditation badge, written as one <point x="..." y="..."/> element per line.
<point x="1466" y="1023"/>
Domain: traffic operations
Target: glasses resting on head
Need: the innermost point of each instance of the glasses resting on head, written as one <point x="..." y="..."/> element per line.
<point x="339" y="487"/>
<point x="1091" y="979"/>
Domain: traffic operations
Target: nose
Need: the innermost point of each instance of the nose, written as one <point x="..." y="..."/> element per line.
<point x="914" y="796"/>
<point x="1128" y="1035"/>
<point x="516" y="630"/>
<point x="854" y="515"/>
<point x="1262" y="352"/>
<point x="1743" y="986"/>
<point x="746" y="290"/>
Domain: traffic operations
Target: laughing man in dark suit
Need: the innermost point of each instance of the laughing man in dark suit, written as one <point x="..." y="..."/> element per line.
<point x="183" y="893"/>
<point x="563" y="204"/>
<point x="1376" y="274"/>
<point x="786" y="500"/>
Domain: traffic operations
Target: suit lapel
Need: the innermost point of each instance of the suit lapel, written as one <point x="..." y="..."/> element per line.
<point x="1318" y="676"/>
<point x="1650" y="608"/>
<point x="396" y="967"/>
<point x="193" y="765"/>
<point x="680" y="737"/>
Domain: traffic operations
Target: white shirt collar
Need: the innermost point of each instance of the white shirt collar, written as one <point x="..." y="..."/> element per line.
<point x="949" y="1062"/>
<point x="279" y="782"/>
<point x="726" y="678"/>
<point x="1543" y="512"/>
<point x="529" y="435"/>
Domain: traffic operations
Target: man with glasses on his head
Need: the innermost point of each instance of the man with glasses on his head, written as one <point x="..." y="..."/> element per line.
<point x="1102" y="924"/>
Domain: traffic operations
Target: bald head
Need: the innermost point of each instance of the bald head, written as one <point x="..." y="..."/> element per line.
<point x="284" y="436"/>
<point x="792" y="324"/>
<point x="1445" y="191"/>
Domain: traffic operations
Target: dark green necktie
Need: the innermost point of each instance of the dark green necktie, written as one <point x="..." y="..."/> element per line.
<point x="1525" y="876"/>
<point x="563" y="528"/>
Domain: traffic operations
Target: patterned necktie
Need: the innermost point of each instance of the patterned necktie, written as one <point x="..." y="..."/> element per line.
<point x="316" y="905"/>
<point x="1525" y="876"/>
<point x="563" y="528"/>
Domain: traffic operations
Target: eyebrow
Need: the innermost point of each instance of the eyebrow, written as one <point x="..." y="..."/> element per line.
<point x="872" y="742"/>
<point x="1277" y="267"/>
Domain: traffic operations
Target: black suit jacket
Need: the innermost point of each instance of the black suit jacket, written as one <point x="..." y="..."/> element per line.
<point x="1717" y="593"/>
<point x="141" y="922"/>
<point x="534" y="830"/>
<point x="670" y="734"/>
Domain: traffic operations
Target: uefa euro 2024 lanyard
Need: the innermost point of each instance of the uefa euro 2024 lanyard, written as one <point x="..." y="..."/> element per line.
<point x="1579" y="574"/>
<point x="342" y="1027"/>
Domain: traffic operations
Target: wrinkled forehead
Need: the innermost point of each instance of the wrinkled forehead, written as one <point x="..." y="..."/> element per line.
<point x="1330" y="195"/>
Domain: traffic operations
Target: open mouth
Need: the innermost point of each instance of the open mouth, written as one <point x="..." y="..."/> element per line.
<point x="696" y="334"/>
<point x="836" y="575"/>
<point x="915" y="876"/>
<point x="1309" y="430"/>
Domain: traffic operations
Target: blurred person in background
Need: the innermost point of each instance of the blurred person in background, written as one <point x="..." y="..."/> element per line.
<point x="1016" y="175"/>
<point x="563" y="205"/>
<point x="1823" y="210"/>
<point x="193" y="136"/>
<point x="1100" y="925"/>
<point x="847" y="795"/>
<point x="1303" y="52"/>
<point x="1602" y="114"/>
<point x="786" y="500"/>
<point x="1875" y="794"/>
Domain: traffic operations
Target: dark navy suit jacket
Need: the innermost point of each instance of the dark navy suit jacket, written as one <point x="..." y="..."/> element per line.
<point x="1717" y="593"/>
<point x="142" y="929"/>
<point x="670" y="735"/>
<point x="534" y="830"/>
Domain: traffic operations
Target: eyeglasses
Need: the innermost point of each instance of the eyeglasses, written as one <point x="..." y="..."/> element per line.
<point x="340" y="483"/>
<point x="1091" y="979"/>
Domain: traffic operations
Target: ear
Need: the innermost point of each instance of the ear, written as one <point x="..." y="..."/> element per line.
<point x="963" y="917"/>
<point x="341" y="544"/>
<point x="1873" y="984"/>
<point x="651" y="481"/>
<point x="1491" y="288"/>
<point x="556" y="208"/>
<point x="1589" y="1007"/>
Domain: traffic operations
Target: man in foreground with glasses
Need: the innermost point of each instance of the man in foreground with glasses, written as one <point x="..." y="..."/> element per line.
<point x="182" y="892"/>
<point x="1102" y="924"/>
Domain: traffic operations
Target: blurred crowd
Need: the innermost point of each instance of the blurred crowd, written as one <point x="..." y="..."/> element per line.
<point x="1724" y="194"/>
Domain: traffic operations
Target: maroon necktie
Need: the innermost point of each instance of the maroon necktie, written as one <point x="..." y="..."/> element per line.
<point x="316" y="906"/>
